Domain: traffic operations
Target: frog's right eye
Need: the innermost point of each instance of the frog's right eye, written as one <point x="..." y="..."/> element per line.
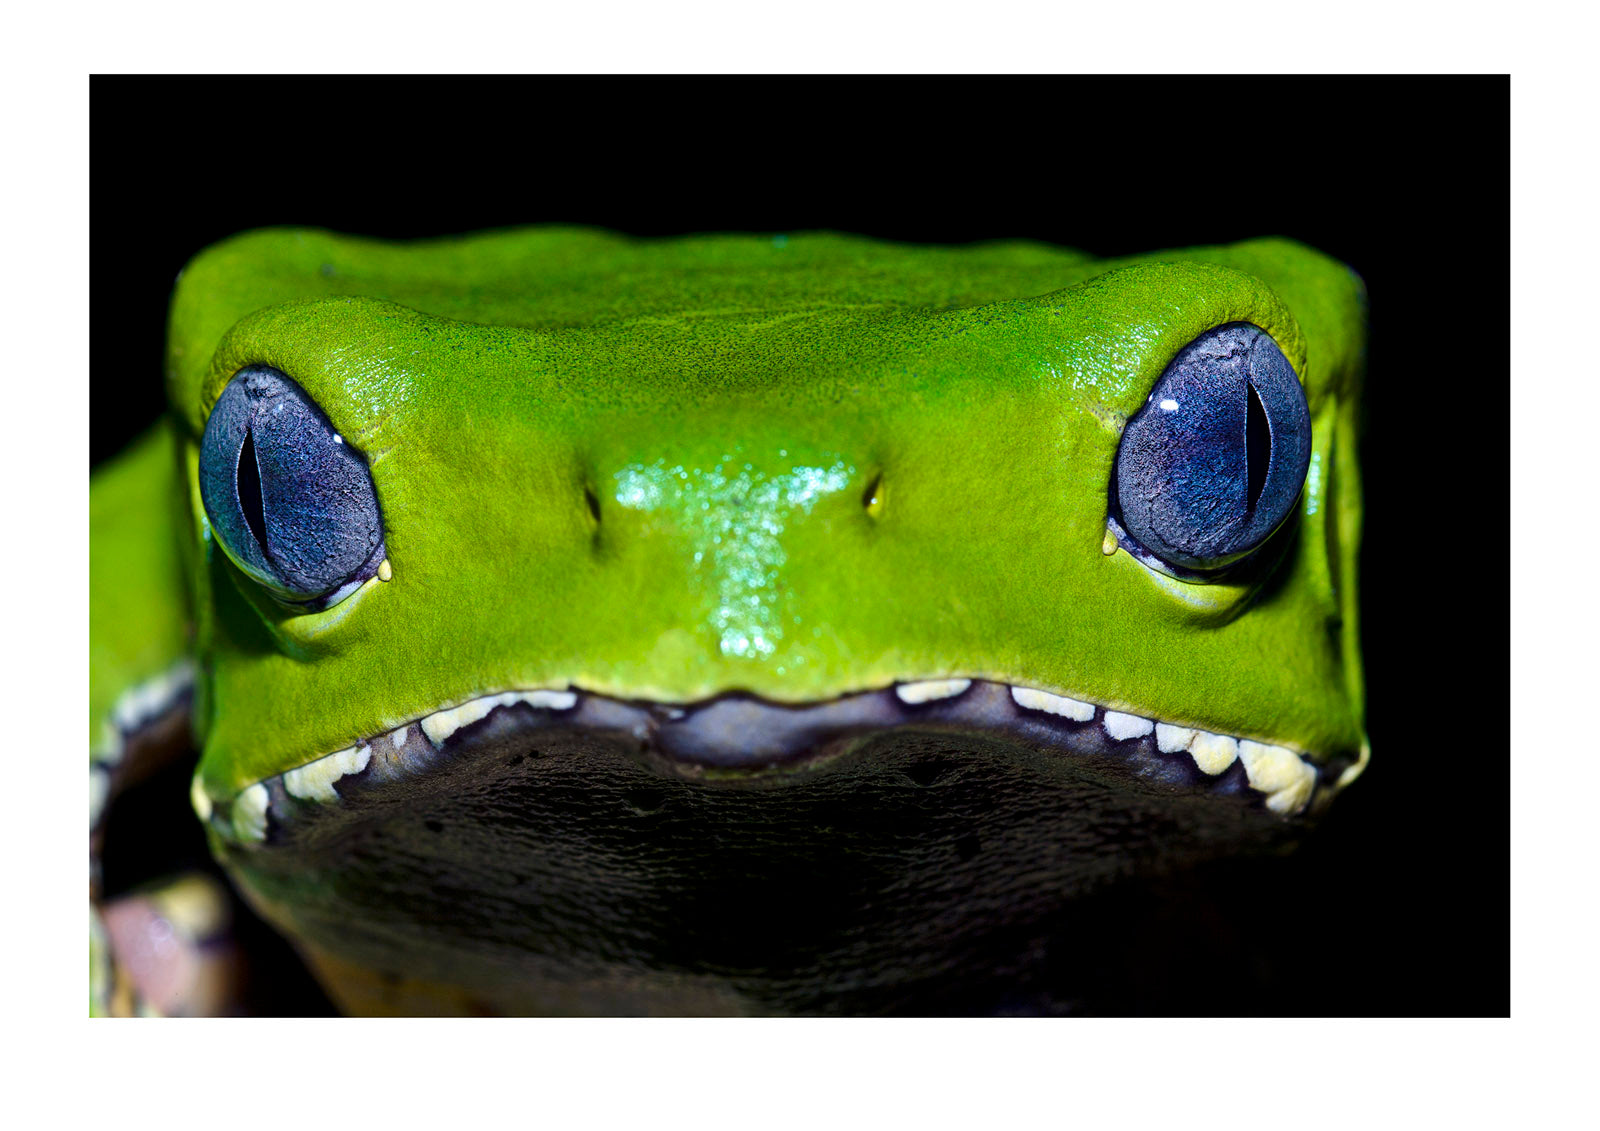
<point x="289" y="501"/>
<point x="1213" y="463"/>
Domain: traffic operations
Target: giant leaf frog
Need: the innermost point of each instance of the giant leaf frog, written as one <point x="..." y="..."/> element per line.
<point x="573" y="623"/>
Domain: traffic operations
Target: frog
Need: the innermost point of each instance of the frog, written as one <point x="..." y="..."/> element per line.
<point x="566" y="622"/>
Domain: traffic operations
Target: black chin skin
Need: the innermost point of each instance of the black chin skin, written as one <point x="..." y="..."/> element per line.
<point x="543" y="864"/>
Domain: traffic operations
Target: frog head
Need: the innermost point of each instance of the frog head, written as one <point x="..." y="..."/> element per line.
<point x="551" y="560"/>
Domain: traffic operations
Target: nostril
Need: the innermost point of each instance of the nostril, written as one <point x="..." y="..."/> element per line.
<point x="872" y="499"/>
<point x="592" y="501"/>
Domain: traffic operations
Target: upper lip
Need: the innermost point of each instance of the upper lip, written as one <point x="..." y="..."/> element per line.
<point x="741" y="735"/>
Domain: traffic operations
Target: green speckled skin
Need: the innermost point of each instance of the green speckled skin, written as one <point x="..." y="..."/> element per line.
<point x="663" y="470"/>
<point x="492" y="380"/>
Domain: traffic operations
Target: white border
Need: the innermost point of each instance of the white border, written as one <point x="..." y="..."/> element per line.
<point x="1527" y="1071"/>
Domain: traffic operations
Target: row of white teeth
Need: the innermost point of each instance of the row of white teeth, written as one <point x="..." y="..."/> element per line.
<point x="315" y="780"/>
<point x="1280" y="773"/>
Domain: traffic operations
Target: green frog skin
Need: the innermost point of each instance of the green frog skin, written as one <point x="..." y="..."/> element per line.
<point x="571" y="623"/>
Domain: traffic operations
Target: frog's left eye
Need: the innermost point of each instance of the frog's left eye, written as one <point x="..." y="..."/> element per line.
<point x="1214" y="461"/>
<point x="289" y="501"/>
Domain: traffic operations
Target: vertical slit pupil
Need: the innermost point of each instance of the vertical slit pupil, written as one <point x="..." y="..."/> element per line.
<point x="249" y="477"/>
<point x="1258" y="448"/>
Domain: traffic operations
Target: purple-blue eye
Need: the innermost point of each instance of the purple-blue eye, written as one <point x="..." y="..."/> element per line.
<point x="289" y="501"/>
<point x="1215" y="460"/>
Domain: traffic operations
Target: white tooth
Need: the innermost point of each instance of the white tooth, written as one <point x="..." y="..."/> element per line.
<point x="129" y="707"/>
<point x="442" y="724"/>
<point x="1171" y="739"/>
<point x="314" y="782"/>
<point x="549" y="700"/>
<point x="398" y="738"/>
<point x="1353" y="771"/>
<point x="927" y="690"/>
<point x="200" y="799"/>
<point x="250" y="814"/>
<point x="1279" y="773"/>
<point x="99" y="787"/>
<point x="142" y="703"/>
<point x="1213" y="753"/>
<point x="1120" y="726"/>
<point x="139" y="705"/>
<point x="1291" y="799"/>
<point x="1054" y="704"/>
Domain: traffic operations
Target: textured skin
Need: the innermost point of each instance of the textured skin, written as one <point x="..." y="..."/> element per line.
<point x="989" y="418"/>
<point x="799" y="469"/>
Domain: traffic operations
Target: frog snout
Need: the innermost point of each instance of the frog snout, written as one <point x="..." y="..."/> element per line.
<point x="736" y="524"/>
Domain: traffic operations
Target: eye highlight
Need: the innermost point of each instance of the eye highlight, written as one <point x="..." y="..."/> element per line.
<point x="1215" y="460"/>
<point x="291" y="504"/>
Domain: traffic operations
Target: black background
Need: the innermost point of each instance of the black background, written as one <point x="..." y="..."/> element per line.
<point x="1400" y="904"/>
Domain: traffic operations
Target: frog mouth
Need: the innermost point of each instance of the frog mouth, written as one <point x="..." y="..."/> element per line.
<point x="738" y="738"/>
